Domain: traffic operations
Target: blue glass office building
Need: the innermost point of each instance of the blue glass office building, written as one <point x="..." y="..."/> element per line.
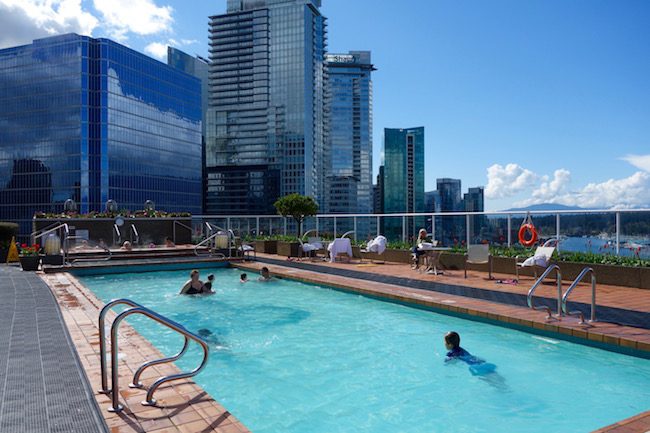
<point x="92" y="120"/>
<point x="403" y="178"/>
<point x="348" y="156"/>
<point x="266" y="128"/>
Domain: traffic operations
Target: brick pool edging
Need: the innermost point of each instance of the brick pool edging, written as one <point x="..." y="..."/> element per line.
<point x="183" y="406"/>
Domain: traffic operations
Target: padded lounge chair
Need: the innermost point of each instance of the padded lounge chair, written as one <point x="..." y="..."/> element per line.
<point x="479" y="254"/>
<point x="311" y="246"/>
<point x="541" y="259"/>
<point x="376" y="246"/>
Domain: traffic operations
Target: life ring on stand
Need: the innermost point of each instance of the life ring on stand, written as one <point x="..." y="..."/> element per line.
<point x="528" y="227"/>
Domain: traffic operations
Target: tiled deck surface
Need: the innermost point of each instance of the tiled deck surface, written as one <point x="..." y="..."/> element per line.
<point x="182" y="406"/>
<point x="615" y="304"/>
<point x="42" y="387"/>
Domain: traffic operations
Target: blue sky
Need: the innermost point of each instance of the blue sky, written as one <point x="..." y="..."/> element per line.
<point x="539" y="101"/>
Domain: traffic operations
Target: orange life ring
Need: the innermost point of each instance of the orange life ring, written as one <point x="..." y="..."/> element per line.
<point x="528" y="227"/>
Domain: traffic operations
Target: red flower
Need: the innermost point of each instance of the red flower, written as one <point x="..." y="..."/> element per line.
<point x="37" y="246"/>
<point x="23" y="246"/>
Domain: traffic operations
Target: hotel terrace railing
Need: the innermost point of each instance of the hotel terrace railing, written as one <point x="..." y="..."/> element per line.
<point x="620" y="232"/>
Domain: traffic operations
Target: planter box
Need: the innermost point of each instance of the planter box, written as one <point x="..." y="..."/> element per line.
<point x="289" y="249"/>
<point x="30" y="263"/>
<point x="268" y="247"/>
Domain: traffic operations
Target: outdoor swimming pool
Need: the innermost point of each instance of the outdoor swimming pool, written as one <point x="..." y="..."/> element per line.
<point x="294" y="357"/>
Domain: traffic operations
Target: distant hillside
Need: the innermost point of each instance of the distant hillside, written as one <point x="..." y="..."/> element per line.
<point x="544" y="207"/>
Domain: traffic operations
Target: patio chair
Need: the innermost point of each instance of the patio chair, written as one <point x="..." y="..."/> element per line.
<point x="310" y="246"/>
<point x="479" y="254"/>
<point x="376" y="246"/>
<point x="541" y="258"/>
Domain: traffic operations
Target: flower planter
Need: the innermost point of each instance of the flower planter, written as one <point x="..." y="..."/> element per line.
<point x="30" y="263"/>
<point x="289" y="249"/>
<point x="268" y="247"/>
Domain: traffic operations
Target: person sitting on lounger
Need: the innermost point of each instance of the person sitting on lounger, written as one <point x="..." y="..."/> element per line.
<point x="193" y="286"/>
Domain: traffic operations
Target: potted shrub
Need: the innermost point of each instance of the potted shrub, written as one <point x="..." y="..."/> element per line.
<point x="29" y="257"/>
<point x="266" y="245"/>
<point x="7" y="233"/>
<point x="297" y="207"/>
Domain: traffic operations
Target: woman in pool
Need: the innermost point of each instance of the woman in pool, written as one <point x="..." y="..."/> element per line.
<point x="193" y="286"/>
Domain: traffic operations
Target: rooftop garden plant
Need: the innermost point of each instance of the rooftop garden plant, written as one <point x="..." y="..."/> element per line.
<point x="26" y="250"/>
<point x="297" y="207"/>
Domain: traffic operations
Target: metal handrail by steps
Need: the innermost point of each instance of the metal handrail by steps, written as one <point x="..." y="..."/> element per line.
<point x="139" y="309"/>
<point x="573" y="285"/>
<point x="531" y="292"/>
<point x="134" y="232"/>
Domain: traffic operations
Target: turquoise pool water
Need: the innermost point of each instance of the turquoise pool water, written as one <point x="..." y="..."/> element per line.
<point x="294" y="357"/>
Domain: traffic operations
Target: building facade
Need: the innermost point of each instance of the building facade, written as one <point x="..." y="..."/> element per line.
<point x="473" y="201"/>
<point x="266" y="128"/>
<point x="348" y="155"/>
<point x="92" y="120"/>
<point x="451" y="228"/>
<point x="403" y="178"/>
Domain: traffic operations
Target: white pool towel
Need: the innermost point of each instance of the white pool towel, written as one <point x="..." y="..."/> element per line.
<point x="425" y="246"/>
<point x="377" y="245"/>
<point x="536" y="260"/>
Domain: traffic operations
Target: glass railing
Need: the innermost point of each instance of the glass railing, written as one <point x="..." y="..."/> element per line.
<point x="614" y="232"/>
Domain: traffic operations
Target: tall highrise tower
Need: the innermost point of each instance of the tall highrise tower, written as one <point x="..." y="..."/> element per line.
<point x="266" y="130"/>
<point x="348" y="160"/>
<point x="452" y="227"/>
<point x="403" y="177"/>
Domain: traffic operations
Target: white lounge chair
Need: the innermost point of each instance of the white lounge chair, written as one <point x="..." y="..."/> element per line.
<point x="541" y="259"/>
<point x="479" y="254"/>
<point x="309" y="247"/>
<point x="376" y="246"/>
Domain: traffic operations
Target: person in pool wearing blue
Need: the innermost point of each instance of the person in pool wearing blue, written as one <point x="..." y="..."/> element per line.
<point x="477" y="366"/>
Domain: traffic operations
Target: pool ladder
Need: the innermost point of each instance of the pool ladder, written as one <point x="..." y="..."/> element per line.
<point x="562" y="299"/>
<point x="135" y="383"/>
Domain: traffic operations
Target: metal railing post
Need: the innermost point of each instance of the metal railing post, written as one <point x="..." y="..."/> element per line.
<point x="317" y="226"/>
<point x="467" y="230"/>
<point x="403" y="229"/>
<point x="285" y="226"/>
<point x="257" y="226"/>
<point x="270" y="226"/>
<point x="557" y="231"/>
<point x="618" y="233"/>
<point x="509" y="230"/>
<point x="378" y="227"/>
<point x="433" y="227"/>
<point x="228" y="223"/>
<point x="334" y="227"/>
<point x="354" y="220"/>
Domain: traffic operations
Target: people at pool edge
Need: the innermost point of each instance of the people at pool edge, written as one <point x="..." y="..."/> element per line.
<point x="169" y="243"/>
<point x="194" y="286"/>
<point x="265" y="274"/>
<point x="127" y="246"/>
<point x="243" y="278"/>
<point x="422" y="237"/>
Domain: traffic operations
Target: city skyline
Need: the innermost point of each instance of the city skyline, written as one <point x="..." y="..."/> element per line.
<point x="550" y="111"/>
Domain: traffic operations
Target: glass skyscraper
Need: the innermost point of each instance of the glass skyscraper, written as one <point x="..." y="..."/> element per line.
<point x="266" y="127"/>
<point x="348" y="155"/>
<point x="452" y="228"/>
<point x="92" y="120"/>
<point x="403" y="177"/>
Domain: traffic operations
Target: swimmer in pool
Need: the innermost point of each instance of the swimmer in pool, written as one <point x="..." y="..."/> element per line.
<point x="207" y="287"/>
<point x="193" y="286"/>
<point x="243" y="278"/>
<point x="477" y="366"/>
<point x="265" y="274"/>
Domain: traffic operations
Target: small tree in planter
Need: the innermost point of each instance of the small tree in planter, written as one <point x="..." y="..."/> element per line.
<point x="297" y="207"/>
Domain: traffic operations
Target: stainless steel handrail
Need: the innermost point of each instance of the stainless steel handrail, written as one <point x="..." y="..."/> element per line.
<point x="212" y="227"/>
<point x="573" y="285"/>
<point x="66" y="251"/>
<point x="135" y="383"/>
<point x="182" y="225"/>
<point x="531" y="292"/>
<point x="134" y="231"/>
<point x="139" y="309"/>
<point x="116" y="230"/>
<point x="37" y="234"/>
<point x="47" y="232"/>
<point x="347" y="233"/>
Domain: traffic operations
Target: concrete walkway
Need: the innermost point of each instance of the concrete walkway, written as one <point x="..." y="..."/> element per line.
<point x="42" y="385"/>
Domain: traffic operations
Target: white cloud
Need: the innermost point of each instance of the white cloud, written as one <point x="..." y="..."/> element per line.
<point x="548" y="190"/>
<point x="22" y="21"/>
<point x="157" y="50"/>
<point x="509" y="180"/>
<point x="142" y="17"/>
<point x="639" y="161"/>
